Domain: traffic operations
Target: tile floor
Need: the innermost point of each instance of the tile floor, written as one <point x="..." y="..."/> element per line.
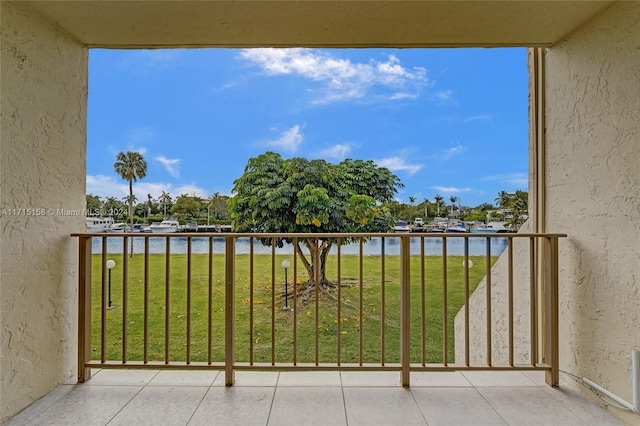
<point x="150" y="397"/>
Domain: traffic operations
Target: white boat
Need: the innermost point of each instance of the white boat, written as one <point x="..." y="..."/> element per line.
<point x="457" y="229"/>
<point x="401" y="226"/>
<point x="98" y="224"/>
<point x="166" y="226"/>
<point x="118" y="227"/>
<point x="490" y="228"/>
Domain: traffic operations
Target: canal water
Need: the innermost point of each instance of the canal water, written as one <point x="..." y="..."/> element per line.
<point x="433" y="246"/>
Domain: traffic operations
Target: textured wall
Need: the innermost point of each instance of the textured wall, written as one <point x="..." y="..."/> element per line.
<point x="593" y="192"/>
<point x="42" y="166"/>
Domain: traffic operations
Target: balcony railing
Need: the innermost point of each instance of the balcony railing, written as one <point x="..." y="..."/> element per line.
<point x="401" y="302"/>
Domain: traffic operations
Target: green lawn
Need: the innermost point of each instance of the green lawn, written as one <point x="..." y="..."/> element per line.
<point x="351" y="297"/>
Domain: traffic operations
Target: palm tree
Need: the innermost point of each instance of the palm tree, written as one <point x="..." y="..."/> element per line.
<point x="453" y="203"/>
<point x="503" y="199"/>
<point x="132" y="197"/>
<point x="426" y="207"/>
<point x="438" y="199"/>
<point x="412" y="200"/>
<point x="148" y="206"/>
<point x="165" y="199"/>
<point x="130" y="166"/>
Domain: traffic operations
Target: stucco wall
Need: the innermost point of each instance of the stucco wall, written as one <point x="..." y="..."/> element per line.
<point x="593" y="192"/>
<point x="42" y="166"/>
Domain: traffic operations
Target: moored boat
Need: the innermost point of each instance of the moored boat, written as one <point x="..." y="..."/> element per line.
<point x="118" y="227"/>
<point x="457" y="229"/>
<point x="98" y="224"/>
<point x="490" y="228"/>
<point x="401" y="226"/>
<point x="165" y="227"/>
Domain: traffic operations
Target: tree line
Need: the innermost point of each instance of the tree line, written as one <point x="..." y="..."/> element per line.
<point x="131" y="166"/>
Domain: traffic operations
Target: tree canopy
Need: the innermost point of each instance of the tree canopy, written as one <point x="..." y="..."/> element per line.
<point x="186" y="206"/>
<point x="296" y="195"/>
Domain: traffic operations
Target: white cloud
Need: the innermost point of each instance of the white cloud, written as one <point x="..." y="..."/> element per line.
<point x="338" y="151"/>
<point x="479" y="117"/>
<point x="398" y="164"/>
<point x="445" y="97"/>
<point x="449" y="153"/>
<point x="289" y="140"/>
<point x="226" y="86"/>
<point x="341" y="79"/>
<point x="108" y="186"/>
<point x="513" y="179"/>
<point x="171" y="164"/>
<point x="450" y="189"/>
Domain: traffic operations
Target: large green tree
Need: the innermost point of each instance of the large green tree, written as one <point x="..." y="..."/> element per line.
<point x="276" y="195"/>
<point x="186" y="206"/>
<point x="130" y="166"/>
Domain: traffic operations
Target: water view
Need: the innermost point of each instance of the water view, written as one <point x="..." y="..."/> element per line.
<point x="433" y="246"/>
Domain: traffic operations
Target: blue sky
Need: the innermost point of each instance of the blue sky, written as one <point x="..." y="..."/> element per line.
<point x="446" y="121"/>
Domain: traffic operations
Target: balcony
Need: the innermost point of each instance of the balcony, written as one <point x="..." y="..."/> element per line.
<point x="217" y="335"/>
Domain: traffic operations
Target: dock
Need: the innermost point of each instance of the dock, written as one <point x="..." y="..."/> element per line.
<point x="204" y="228"/>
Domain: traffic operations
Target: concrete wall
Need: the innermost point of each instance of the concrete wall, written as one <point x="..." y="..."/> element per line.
<point x="42" y="166"/>
<point x="593" y="192"/>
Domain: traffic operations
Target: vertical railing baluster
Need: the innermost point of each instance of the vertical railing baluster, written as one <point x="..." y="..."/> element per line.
<point x="533" y="294"/>
<point x="210" y="305"/>
<point x="360" y="304"/>
<point x="445" y="334"/>
<point x="551" y="311"/>
<point x="251" y="284"/>
<point x="229" y="313"/>
<point x="510" y="296"/>
<point x="405" y="314"/>
<point x="382" y="302"/>
<point x="273" y="301"/>
<point x="167" y="300"/>
<point x="488" y="281"/>
<point x="295" y="301"/>
<point x="423" y="308"/>
<point x="189" y="300"/>
<point x="146" y="299"/>
<point x="317" y="295"/>
<point x="84" y="308"/>
<point x="125" y="298"/>
<point x="467" y="349"/>
<point x="339" y="327"/>
<point x="103" y="303"/>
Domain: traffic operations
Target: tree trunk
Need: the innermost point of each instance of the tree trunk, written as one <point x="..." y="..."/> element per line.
<point x="131" y="213"/>
<point x="316" y="264"/>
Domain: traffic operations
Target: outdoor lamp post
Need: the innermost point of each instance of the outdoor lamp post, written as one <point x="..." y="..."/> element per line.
<point x="110" y="265"/>
<point x="285" y="265"/>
